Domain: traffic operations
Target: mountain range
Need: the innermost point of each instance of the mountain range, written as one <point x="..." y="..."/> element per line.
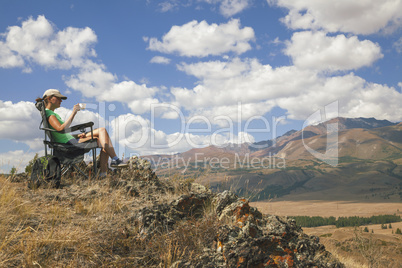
<point x="367" y="154"/>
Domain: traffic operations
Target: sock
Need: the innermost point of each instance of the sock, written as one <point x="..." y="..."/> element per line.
<point x="115" y="158"/>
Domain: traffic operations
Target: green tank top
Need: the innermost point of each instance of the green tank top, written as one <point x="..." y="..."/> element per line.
<point x="58" y="137"/>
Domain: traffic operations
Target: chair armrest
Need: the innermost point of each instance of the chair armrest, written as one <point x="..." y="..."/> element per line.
<point x="48" y="129"/>
<point x="71" y="129"/>
<point x="77" y="127"/>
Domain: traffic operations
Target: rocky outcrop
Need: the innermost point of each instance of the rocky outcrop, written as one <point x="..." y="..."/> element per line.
<point x="245" y="237"/>
<point x="241" y="235"/>
<point x="139" y="169"/>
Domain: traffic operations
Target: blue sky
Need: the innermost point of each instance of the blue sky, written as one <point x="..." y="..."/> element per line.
<point x="166" y="76"/>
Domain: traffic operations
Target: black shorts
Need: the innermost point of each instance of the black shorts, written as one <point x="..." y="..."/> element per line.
<point x="72" y="142"/>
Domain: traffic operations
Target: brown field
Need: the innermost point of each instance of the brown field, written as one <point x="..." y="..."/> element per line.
<point x="327" y="208"/>
<point x="356" y="249"/>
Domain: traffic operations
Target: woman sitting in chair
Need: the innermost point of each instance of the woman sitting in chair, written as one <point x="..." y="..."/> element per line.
<point x="53" y="99"/>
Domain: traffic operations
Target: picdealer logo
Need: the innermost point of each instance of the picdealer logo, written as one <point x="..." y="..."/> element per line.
<point x="330" y="155"/>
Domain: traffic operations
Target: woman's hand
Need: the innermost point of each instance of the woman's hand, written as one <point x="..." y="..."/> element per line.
<point x="82" y="135"/>
<point x="76" y="108"/>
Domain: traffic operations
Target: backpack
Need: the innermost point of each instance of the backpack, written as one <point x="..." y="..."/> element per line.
<point x="45" y="170"/>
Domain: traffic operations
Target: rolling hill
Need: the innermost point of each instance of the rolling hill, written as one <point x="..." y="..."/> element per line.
<point x="368" y="163"/>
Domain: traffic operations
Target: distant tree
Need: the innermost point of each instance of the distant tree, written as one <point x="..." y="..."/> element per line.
<point x="366" y="229"/>
<point x="13" y="171"/>
<point x="398" y="231"/>
<point x="390" y="226"/>
<point x="384" y="220"/>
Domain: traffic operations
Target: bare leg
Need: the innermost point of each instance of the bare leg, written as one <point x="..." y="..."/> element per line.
<point x="103" y="161"/>
<point x="105" y="143"/>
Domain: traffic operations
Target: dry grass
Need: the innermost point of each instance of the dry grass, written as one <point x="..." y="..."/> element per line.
<point x="87" y="224"/>
<point x="186" y="241"/>
<point x="365" y="250"/>
<point x="38" y="231"/>
<point x="355" y="248"/>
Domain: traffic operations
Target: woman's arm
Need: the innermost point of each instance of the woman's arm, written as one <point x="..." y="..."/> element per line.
<point x="56" y="124"/>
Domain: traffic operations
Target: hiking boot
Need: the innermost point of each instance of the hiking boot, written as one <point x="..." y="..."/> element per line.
<point x="118" y="164"/>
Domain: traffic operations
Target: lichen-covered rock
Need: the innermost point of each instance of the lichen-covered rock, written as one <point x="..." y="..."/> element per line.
<point x="139" y="169"/>
<point x="245" y="238"/>
<point x="136" y="162"/>
<point x="191" y="205"/>
<point x="155" y="219"/>
<point x="209" y="259"/>
<point x="240" y="212"/>
<point x="222" y="200"/>
<point x="162" y="217"/>
<point x="278" y="242"/>
<point x="139" y="180"/>
<point x="198" y="188"/>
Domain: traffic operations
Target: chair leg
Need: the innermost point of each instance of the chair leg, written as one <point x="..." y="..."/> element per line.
<point x="79" y="170"/>
<point x="95" y="165"/>
<point x="65" y="169"/>
<point x="73" y="166"/>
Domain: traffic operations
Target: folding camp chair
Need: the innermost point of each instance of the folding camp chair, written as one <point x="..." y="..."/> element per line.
<point x="69" y="154"/>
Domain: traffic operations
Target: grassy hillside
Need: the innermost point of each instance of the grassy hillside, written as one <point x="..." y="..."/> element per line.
<point x="134" y="219"/>
<point x="357" y="248"/>
<point x="352" y="179"/>
<point x="86" y="224"/>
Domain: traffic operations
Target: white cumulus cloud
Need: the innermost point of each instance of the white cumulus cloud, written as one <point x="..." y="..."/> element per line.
<point x="97" y="82"/>
<point x="356" y="97"/>
<point x="231" y="7"/>
<point x="134" y="134"/>
<point x="398" y="45"/>
<point x="38" y="41"/>
<point x="316" y="50"/>
<point x="92" y="79"/>
<point x="247" y="81"/>
<point x="19" y="121"/>
<point x="160" y="60"/>
<point x="299" y="91"/>
<point x="227" y="8"/>
<point x="200" y="39"/>
<point x="358" y="17"/>
<point x="9" y="59"/>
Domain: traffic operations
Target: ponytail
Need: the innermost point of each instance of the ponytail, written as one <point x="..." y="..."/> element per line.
<point x="45" y="99"/>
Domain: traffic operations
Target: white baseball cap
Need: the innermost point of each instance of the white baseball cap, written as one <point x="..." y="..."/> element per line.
<point x="53" y="92"/>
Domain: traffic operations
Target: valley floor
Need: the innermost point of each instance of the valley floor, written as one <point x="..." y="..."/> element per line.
<point x="354" y="248"/>
<point x="328" y="208"/>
